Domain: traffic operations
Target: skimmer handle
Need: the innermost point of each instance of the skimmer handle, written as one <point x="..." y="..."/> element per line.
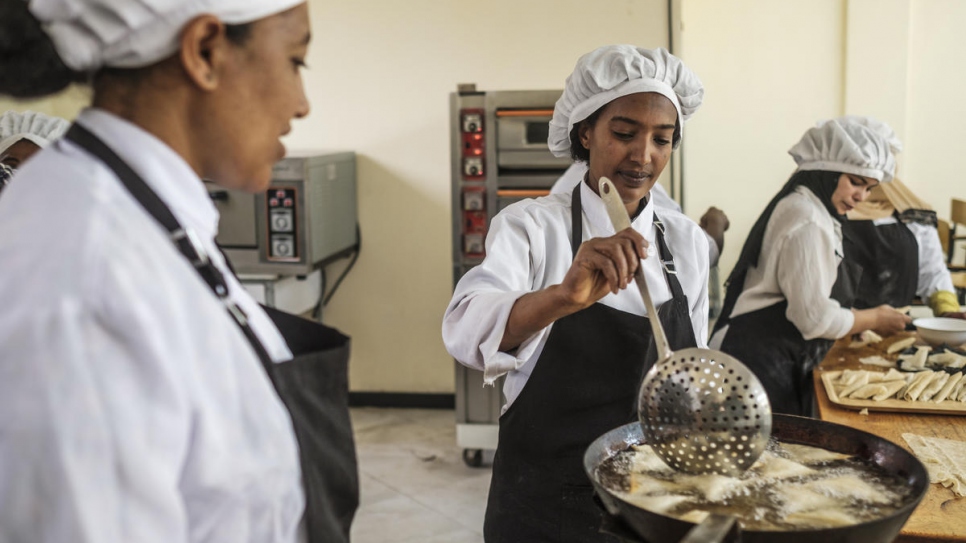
<point x="620" y="219"/>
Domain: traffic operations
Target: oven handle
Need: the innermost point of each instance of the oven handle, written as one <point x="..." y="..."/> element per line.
<point x="218" y="195"/>
<point x="522" y="193"/>
<point x="524" y="113"/>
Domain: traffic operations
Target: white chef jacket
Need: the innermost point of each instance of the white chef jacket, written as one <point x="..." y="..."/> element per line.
<point x="933" y="273"/>
<point x="132" y="407"/>
<point x="575" y="174"/>
<point x="799" y="260"/>
<point x="528" y="249"/>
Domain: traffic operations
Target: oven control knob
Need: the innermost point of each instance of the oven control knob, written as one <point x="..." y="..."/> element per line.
<point x="473" y="167"/>
<point x="472" y="123"/>
<point x="283" y="246"/>
<point x="282" y="220"/>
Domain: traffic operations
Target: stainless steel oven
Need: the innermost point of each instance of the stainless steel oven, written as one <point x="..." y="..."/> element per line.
<point x="305" y="219"/>
<point x="499" y="155"/>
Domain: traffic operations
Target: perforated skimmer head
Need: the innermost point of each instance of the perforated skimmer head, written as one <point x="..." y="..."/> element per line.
<point x="703" y="411"/>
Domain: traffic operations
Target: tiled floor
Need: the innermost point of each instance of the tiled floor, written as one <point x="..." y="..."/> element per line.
<point x="414" y="484"/>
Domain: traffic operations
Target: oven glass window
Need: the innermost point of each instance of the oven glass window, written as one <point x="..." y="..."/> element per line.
<point x="538" y="132"/>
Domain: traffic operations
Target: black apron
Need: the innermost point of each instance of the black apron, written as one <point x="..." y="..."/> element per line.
<point x="774" y="349"/>
<point x="585" y="383"/>
<point x="313" y="385"/>
<point x="889" y="254"/>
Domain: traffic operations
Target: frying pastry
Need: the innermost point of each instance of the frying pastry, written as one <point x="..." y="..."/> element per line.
<point x="850" y="486"/>
<point x="714" y="487"/>
<point x="826" y="518"/>
<point x="795" y="499"/>
<point x="643" y="484"/>
<point x="770" y="466"/>
<point x="695" y="515"/>
<point x="807" y="454"/>
<point x="645" y="459"/>
<point x="656" y="504"/>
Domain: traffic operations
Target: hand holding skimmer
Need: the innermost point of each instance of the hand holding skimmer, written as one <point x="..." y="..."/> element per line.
<point x="701" y="410"/>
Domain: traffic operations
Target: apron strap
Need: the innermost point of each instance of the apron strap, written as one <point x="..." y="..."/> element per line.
<point x="576" y="221"/>
<point x="184" y="239"/>
<point x="667" y="260"/>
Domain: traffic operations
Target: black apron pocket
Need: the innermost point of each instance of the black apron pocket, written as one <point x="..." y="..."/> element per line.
<point x="314" y="386"/>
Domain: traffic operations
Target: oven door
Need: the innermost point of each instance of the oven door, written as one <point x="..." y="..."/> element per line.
<point x="521" y="139"/>
<point x="237" y="226"/>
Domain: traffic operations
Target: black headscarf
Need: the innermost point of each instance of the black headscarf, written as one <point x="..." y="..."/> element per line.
<point x="822" y="183"/>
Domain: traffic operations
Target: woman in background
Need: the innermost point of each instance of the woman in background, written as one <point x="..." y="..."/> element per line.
<point x="136" y="383"/>
<point x="893" y="236"/>
<point x="553" y="305"/>
<point x="790" y="293"/>
<point x="22" y="134"/>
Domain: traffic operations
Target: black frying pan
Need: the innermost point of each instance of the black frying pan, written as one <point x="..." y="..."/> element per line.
<point x="657" y="528"/>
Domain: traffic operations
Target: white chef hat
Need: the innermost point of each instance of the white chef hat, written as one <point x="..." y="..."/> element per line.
<point x="882" y="129"/>
<point x="90" y="34"/>
<point x="613" y="71"/>
<point x="845" y="145"/>
<point x="30" y="125"/>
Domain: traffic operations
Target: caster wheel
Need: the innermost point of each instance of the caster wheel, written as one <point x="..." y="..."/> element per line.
<point x="473" y="457"/>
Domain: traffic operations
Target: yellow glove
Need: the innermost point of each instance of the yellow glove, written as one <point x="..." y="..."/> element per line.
<point x="943" y="301"/>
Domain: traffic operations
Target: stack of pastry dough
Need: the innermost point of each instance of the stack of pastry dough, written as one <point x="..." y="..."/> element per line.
<point x="945" y="460"/>
<point x="922" y="386"/>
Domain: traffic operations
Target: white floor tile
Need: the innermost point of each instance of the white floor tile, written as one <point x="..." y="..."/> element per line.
<point x="414" y="485"/>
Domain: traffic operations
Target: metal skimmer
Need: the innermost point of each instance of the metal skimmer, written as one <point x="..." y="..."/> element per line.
<point x="701" y="410"/>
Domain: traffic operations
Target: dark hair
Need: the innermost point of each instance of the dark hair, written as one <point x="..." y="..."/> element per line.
<point x="579" y="153"/>
<point x="577" y="150"/>
<point x="238" y="34"/>
<point x="29" y="65"/>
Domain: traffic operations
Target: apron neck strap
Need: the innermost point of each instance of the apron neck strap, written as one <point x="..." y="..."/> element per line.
<point x="183" y="238"/>
<point x="667" y="259"/>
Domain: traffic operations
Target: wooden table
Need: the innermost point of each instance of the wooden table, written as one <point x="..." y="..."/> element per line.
<point x="941" y="516"/>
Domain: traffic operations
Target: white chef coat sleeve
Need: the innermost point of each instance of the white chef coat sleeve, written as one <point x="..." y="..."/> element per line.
<point x="807" y="269"/>
<point x="713" y="252"/>
<point x="83" y="460"/>
<point x="476" y="318"/>
<point x="933" y="273"/>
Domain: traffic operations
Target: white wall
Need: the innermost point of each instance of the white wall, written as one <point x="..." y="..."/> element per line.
<point x="933" y="161"/>
<point x="773" y="69"/>
<point x="381" y="73"/>
<point x="770" y="70"/>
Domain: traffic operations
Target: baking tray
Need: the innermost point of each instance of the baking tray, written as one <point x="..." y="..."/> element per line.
<point x="946" y="407"/>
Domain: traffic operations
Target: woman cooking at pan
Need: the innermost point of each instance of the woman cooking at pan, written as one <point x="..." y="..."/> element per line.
<point x="144" y="396"/>
<point x="554" y="307"/>
<point x="789" y="296"/>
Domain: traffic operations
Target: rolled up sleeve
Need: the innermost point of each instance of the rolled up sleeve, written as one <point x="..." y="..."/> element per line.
<point x="807" y="269"/>
<point x="476" y="318"/>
